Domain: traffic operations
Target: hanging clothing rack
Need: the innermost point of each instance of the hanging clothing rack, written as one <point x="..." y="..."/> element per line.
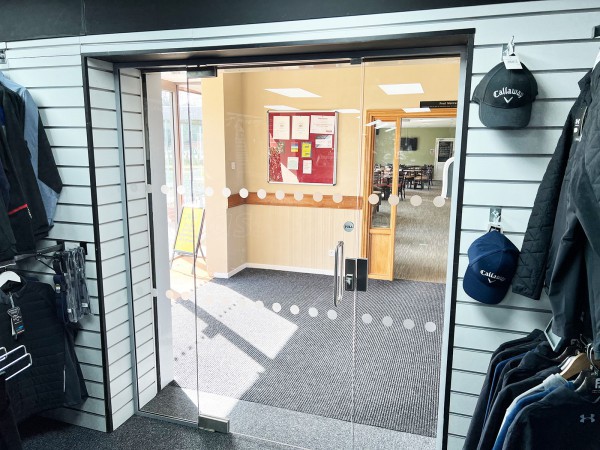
<point x="44" y="251"/>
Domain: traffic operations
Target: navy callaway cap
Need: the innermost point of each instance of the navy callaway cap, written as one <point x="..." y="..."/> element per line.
<point x="505" y="97"/>
<point x="492" y="265"/>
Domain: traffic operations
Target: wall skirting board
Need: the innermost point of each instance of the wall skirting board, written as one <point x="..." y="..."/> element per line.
<point x="272" y="267"/>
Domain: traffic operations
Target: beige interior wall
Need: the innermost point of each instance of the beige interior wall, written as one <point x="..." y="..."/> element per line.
<point x="214" y="143"/>
<point x="293" y="236"/>
<point x="235" y="167"/>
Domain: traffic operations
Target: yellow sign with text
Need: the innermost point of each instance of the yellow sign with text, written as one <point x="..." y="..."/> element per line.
<point x="188" y="232"/>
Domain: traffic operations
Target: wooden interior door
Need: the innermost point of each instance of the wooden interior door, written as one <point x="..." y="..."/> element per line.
<point x="379" y="230"/>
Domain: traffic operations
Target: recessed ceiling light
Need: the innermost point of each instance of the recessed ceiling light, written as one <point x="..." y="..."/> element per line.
<point x="348" y="111"/>
<point x="416" y="110"/>
<point x="293" y="92"/>
<point x="405" y="88"/>
<point x="281" y="108"/>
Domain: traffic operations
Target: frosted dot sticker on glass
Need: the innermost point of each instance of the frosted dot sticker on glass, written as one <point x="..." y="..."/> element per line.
<point x="276" y="307"/>
<point x="226" y="192"/>
<point x="317" y="197"/>
<point x="259" y="304"/>
<point x="181" y="189"/>
<point x="367" y="318"/>
<point x="332" y="314"/>
<point x="172" y="294"/>
<point x="416" y="200"/>
<point x="298" y="196"/>
<point x="373" y="199"/>
<point x="430" y="326"/>
<point x="337" y="198"/>
<point x="244" y="193"/>
<point x="262" y="194"/>
<point x="313" y="312"/>
<point x="439" y="201"/>
<point x="387" y="321"/>
<point x="393" y="199"/>
<point x="294" y="309"/>
<point x="164" y="189"/>
<point x="279" y="195"/>
<point x="409" y="324"/>
<point x="209" y="192"/>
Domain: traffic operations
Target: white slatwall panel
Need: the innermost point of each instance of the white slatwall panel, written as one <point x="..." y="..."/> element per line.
<point x="135" y="161"/>
<point x="110" y="217"/>
<point x="56" y="83"/>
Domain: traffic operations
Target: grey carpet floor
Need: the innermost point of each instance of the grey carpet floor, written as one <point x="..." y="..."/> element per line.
<point x="137" y="433"/>
<point x="292" y="427"/>
<point x="292" y="359"/>
<point x="421" y="252"/>
<point x="40" y="433"/>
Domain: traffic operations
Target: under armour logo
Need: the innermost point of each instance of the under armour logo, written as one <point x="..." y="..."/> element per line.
<point x="583" y="418"/>
<point x="507" y="100"/>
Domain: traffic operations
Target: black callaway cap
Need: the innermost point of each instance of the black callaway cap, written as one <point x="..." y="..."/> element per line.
<point x="505" y="97"/>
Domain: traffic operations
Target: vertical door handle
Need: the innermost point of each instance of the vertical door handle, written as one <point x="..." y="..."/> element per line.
<point x="338" y="275"/>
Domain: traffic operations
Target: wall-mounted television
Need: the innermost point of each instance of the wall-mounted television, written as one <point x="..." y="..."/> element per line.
<point x="409" y="144"/>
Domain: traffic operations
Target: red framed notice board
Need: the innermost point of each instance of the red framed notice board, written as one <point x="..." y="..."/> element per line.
<point x="302" y="147"/>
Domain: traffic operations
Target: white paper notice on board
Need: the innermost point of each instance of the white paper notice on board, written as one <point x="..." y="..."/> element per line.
<point x="292" y="163"/>
<point x="307" y="166"/>
<point x="281" y="127"/>
<point x="324" y="141"/>
<point x="322" y="124"/>
<point x="300" y="127"/>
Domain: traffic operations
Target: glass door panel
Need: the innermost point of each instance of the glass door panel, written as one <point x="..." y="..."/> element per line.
<point x="399" y="319"/>
<point x="174" y="165"/>
<point x="275" y="354"/>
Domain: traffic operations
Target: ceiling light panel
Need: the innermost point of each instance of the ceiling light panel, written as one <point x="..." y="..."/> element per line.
<point x="281" y="108"/>
<point x="294" y="92"/>
<point x="400" y="89"/>
<point x="416" y="110"/>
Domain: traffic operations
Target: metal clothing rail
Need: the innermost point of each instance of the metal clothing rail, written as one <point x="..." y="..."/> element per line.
<point x="53" y="248"/>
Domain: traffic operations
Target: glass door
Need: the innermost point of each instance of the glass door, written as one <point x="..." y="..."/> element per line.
<point x="398" y="329"/>
<point x="283" y="152"/>
<point x="285" y="172"/>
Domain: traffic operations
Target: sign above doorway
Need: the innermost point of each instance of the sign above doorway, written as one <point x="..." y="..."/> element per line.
<point x="433" y="104"/>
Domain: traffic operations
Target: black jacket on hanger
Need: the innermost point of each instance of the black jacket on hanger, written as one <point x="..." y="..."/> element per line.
<point x="24" y="191"/>
<point x="40" y="387"/>
<point x="533" y="259"/>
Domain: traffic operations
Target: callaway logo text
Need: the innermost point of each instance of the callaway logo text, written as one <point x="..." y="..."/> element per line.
<point x="505" y="91"/>
<point x="492" y="277"/>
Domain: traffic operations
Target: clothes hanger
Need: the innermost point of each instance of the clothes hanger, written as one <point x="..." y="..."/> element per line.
<point x="7" y="276"/>
<point x="587" y="381"/>
<point x="24" y="356"/>
<point x="576" y="365"/>
<point x="571" y="350"/>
